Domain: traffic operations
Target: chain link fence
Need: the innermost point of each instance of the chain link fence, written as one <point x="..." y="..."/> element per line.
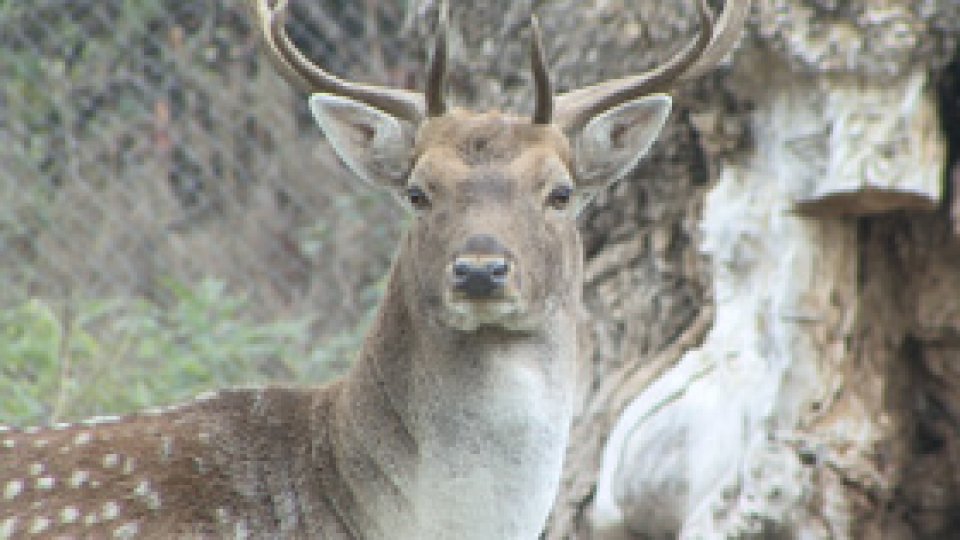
<point x="165" y="200"/>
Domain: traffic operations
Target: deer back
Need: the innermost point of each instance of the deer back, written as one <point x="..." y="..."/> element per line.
<point x="238" y="463"/>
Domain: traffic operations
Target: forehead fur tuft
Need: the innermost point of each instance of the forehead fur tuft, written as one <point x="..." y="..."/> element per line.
<point x="478" y="138"/>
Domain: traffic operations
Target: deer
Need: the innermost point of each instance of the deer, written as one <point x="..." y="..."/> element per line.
<point x="453" y="421"/>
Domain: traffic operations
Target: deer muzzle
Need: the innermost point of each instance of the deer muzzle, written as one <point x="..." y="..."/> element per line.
<point x="483" y="270"/>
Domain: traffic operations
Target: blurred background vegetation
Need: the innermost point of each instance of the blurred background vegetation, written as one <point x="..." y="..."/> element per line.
<point x="169" y="219"/>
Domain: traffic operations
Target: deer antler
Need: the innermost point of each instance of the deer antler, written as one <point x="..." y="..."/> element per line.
<point x="715" y="40"/>
<point x="411" y="106"/>
<point x="543" y="114"/>
<point x="570" y="110"/>
<point x="437" y="76"/>
<point x="302" y="72"/>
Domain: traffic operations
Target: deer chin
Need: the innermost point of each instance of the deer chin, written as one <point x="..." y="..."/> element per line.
<point x="508" y="313"/>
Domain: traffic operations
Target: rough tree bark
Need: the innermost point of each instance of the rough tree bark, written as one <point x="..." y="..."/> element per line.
<point x="774" y="295"/>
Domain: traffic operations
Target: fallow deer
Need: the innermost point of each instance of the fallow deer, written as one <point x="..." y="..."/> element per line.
<point x="454" y="418"/>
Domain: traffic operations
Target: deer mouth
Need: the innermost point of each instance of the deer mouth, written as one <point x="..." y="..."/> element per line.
<point x="468" y="313"/>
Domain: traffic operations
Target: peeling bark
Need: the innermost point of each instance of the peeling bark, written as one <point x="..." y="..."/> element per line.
<point x="794" y="417"/>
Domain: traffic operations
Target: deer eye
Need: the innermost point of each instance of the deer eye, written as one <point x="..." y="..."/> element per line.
<point x="559" y="197"/>
<point x="418" y="198"/>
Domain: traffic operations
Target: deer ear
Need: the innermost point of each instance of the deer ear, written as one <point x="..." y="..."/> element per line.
<point x="613" y="142"/>
<point x="374" y="144"/>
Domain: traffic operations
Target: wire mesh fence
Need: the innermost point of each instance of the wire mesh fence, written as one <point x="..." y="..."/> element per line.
<point x="165" y="201"/>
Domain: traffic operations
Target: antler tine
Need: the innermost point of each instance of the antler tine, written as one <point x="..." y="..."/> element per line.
<point x="437" y="76"/>
<point x="543" y="113"/>
<point x="713" y="42"/>
<point x="300" y="71"/>
<point x="727" y="30"/>
<point x="263" y="14"/>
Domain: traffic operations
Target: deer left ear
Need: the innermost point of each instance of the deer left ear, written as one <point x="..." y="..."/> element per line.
<point x="612" y="143"/>
<point x="372" y="143"/>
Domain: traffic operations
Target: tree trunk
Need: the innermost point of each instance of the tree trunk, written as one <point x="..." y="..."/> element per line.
<point x="773" y="330"/>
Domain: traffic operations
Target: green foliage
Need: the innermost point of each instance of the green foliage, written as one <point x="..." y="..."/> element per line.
<point x="33" y="345"/>
<point x="113" y="356"/>
<point x="131" y="131"/>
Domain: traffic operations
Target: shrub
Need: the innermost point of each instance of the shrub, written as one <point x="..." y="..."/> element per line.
<point x="122" y="355"/>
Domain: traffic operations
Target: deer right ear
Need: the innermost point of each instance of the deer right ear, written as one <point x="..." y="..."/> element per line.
<point x="613" y="142"/>
<point x="374" y="144"/>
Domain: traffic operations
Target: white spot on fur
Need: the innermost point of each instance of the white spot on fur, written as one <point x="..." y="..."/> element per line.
<point x="12" y="490"/>
<point x="32" y="430"/>
<point x="60" y="426"/>
<point x="240" y="531"/>
<point x="258" y="402"/>
<point x="206" y="396"/>
<point x="100" y="420"/>
<point x="8" y="527"/>
<point x="110" y="511"/>
<point x="154" y="411"/>
<point x="82" y="438"/>
<point x="127" y="531"/>
<point x="36" y="469"/>
<point x="166" y="448"/>
<point x="129" y="465"/>
<point x="91" y="519"/>
<point x="39" y="525"/>
<point x="40" y="443"/>
<point x="150" y="497"/>
<point x="222" y="515"/>
<point x="78" y="479"/>
<point x="9" y="443"/>
<point x="4" y="429"/>
<point x="110" y="461"/>
<point x="46" y="483"/>
<point x="143" y="488"/>
<point x="69" y="515"/>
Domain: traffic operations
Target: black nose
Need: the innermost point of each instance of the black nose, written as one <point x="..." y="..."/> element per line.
<point x="481" y="269"/>
<point x="480" y="277"/>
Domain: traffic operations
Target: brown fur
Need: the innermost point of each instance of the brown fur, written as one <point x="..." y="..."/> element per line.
<point x="332" y="462"/>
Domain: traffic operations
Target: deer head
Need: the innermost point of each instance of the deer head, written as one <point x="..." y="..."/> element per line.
<point x="495" y="196"/>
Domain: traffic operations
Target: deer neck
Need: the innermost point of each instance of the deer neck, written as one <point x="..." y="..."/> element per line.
<point x="463" y="430"/>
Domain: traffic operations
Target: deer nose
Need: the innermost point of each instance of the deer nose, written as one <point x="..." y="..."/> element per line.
<point x="482" y="270"/>
<point x="480" y="278"/>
